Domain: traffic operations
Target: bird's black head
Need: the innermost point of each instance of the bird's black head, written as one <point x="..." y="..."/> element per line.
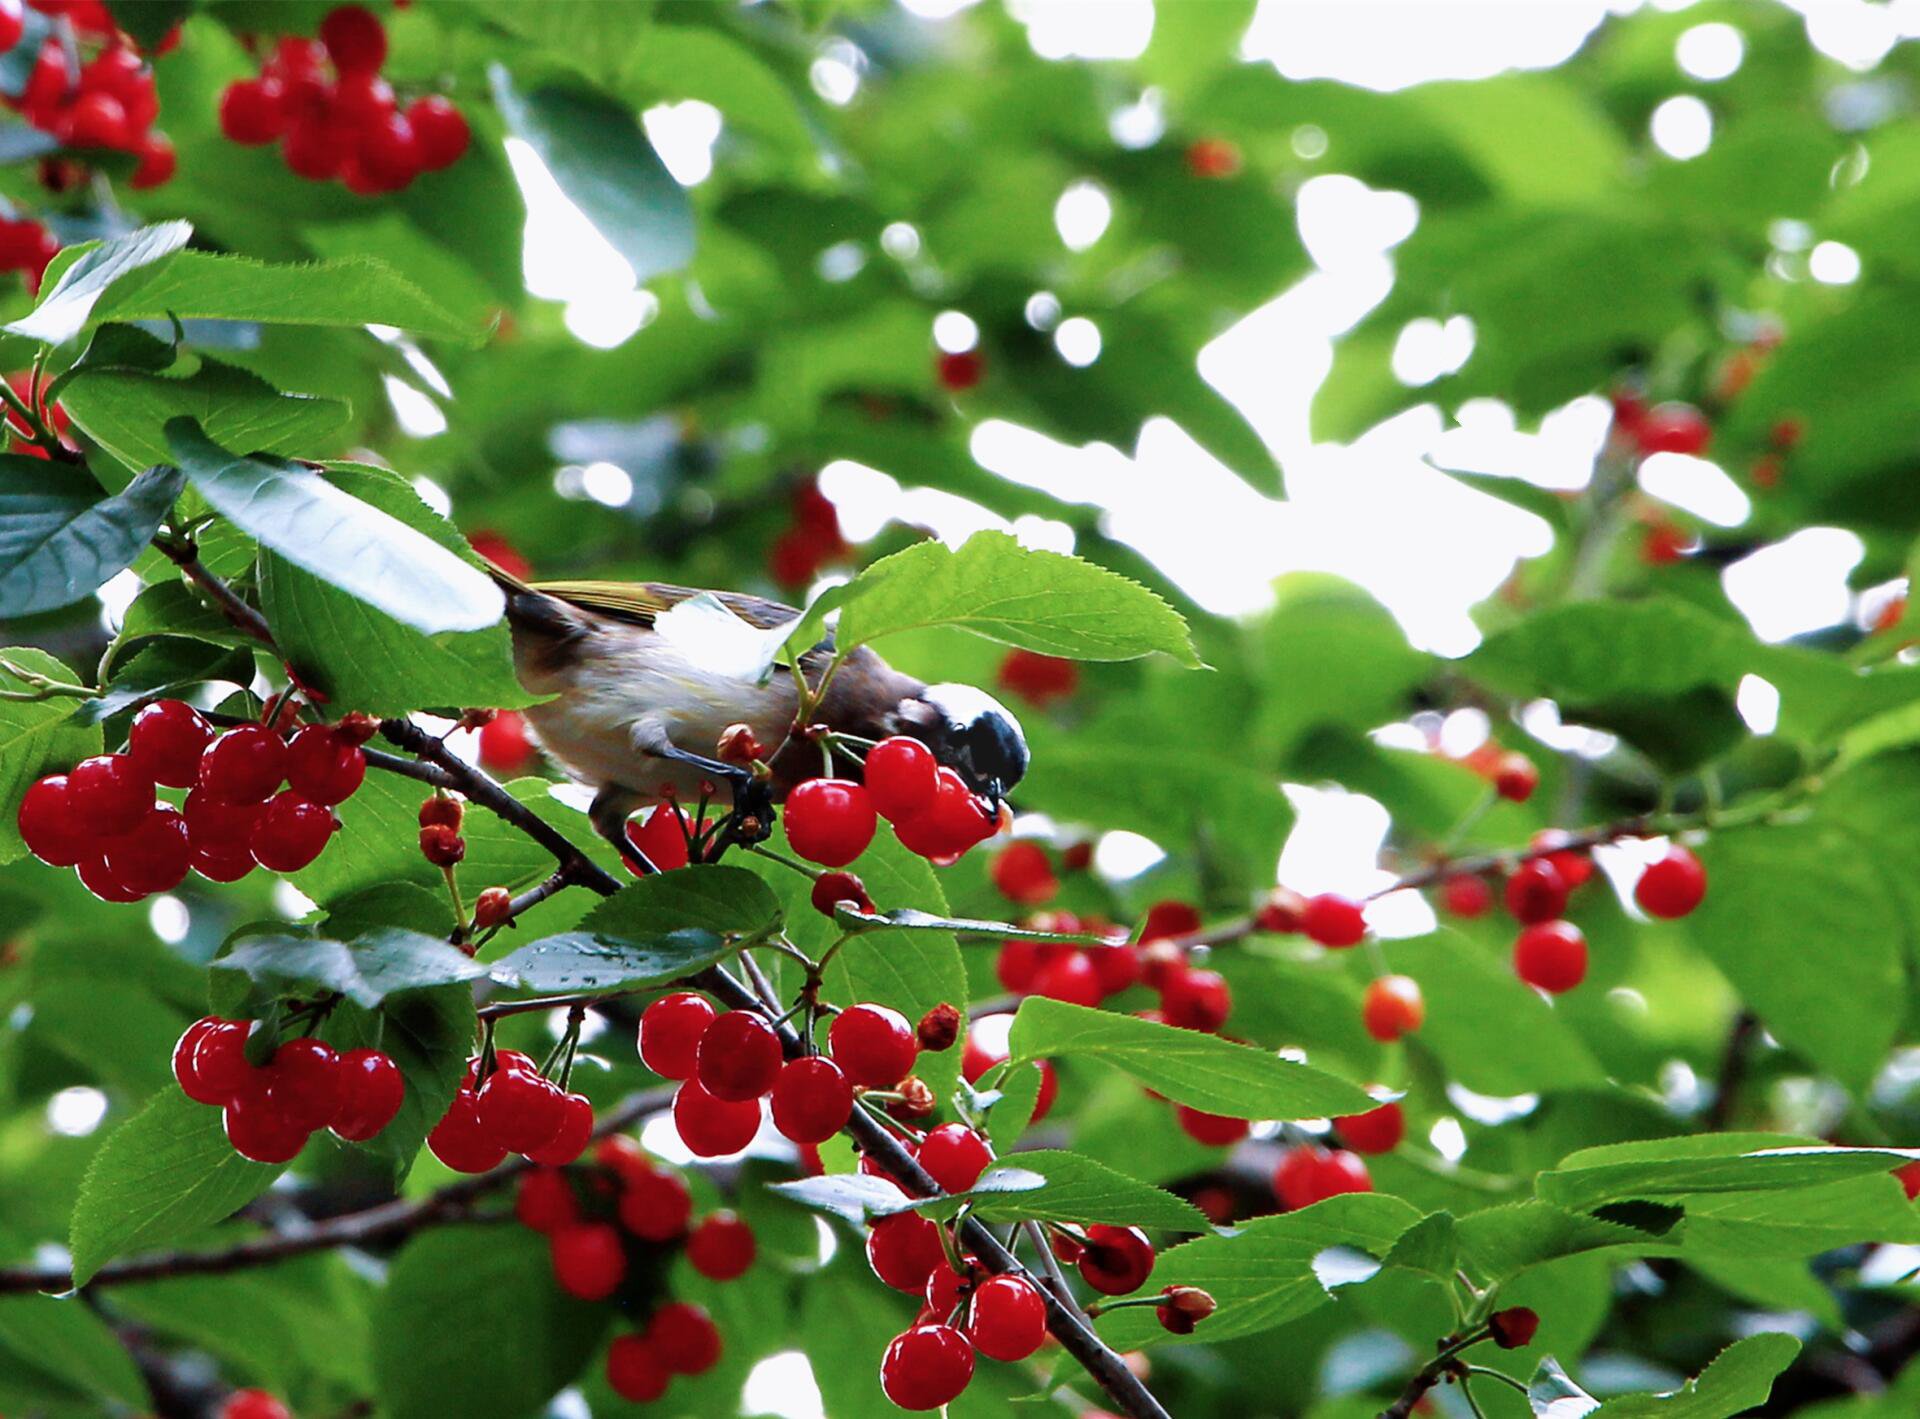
<point x="974" y="734"/>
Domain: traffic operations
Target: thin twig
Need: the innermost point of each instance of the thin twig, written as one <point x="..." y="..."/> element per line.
<point x="185" y="556"/>
<point x="1734" y="1059"/>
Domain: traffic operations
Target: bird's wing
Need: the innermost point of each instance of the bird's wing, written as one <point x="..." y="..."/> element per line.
<point x="640" y="602"/>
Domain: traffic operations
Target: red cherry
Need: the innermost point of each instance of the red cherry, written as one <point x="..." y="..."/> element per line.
<point x="252" y="112"/>
<point x="49" y="826"/>
<point x="460" y="1142"/>
<point x="904" y="1250"/>
<point x="1280" y="913"/>
<point x="829" y="821"/>
<point x="165" y="741"/>
<point x="670" y="1031"/>
<point x="1575" y="865"/>
<point x="155" y="856"/>
<point x="655" y="1206"/>
<point x="1673" y="886"/>
<point x="313" y="150"/>
<point x="1196" y="1000"/>
<point x="244" y="765"/>
<point x="1038" y="679"/>
<point x="441" y="130"/>
<point x="158" y="162"/>
<point x="305" y="1082"/>
<point x="1392" y="1007"/>
<point x="47" y="83"/>
<point x="622" y="1157"/>
<point x="220" y="1064"/>
<point x="739" y="1057"/>
<point x="1513" y="1328"/>
<point x="830" y="889"/>
<point x="1023" y="874"/>
<point x="1214" y="1130"/>
<point x="874" y="1045"/>
<point x="926" y="1367"/>
<point x="722" y="1247"/>
<point x="1333" y="920"/>
<point x="662" y="838"/>
<point x="258" y="1129"/>
<point x="544" y="1201"/>
<point x="290" y="832"/>
<point x="576" y="1131"/>
<point x="519" y="1109"/>
<point x="635" y="1371"/>
<point x="218" y="826"/>
<point x="1515" y="777"/>
<point x="186" y="1070"/>
<point x="1116" y="967"/>
<point x="1116" y="1260"/>
<point x="1551" y="956"/>
<point x="1535" y="892"/>
<point x="959" y="370"/>
<point x="372" y="1090"/>
<point x="685" y="1338"/>
<point x="505" y="746"/>
<point x="812" y="1100"/>
<point x="253" y="1404"/>
<point x="710" y="1127"/>
<point x="1312" y="1174"/>
<point x="1466" y="896"/>
<point x="1375" y="1131"/>
<point x="1071" y="977"/>
<point x="900" y="777"/>
<point x="1008" y="1319"/>
<point x="946" y="1288"/>
<point x="954" y="1156"/>
<point x="389" y="154"/>
<point x="322" y="766"/>
<point x="355" y="40"/>
<point x="99" y="879"/>
<point x="96" y="120"/>
<point x="953" y="822"/>
<point x="13" y="24"/>
<point x="109" y="795"/>
<point x="1673" y="428"/>
<point x="588" y="1260"/>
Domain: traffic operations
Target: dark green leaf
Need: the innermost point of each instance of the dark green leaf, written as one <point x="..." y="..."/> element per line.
<point x="585" y="960"/>
<point x="1739" y="1379"/>
<point x="67" y="1340"/>
<point x="366" y="970"/>
<point x="60" y="540"/>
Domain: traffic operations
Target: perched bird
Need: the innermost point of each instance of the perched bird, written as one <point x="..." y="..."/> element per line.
<point x="644" y="682"/>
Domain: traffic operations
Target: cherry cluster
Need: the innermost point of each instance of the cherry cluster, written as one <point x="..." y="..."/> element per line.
<point x="26" y="246"/>
<point x="811" y="543"/>
<point x="101" y="816"/>
<point x="333" y="116"/>
<point x="1038" y="679"/>
<point x="108" y="101"/>
<point x="727" y="1062"/>
<point x="505" y="1104"/>
<point x="616" y="1218"/>
<point x="271" y="1110"/>
<point x="934" y="814"/>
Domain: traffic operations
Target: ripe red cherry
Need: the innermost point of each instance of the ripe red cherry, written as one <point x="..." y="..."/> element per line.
<point x="655" y="1206"/>
<point x="1196" y="1000"/>
<point x="1575" y="865"/>
<point x="1022" y="873"/>
<point x="109" y="795"/>
<point x="830" y="889"/>
<point x="355" y="40"/>
<point x="685" y="1338"/>
<point x="662" y="837"/>
<point x="49" y="825"/>
<point x="576" y="1131"/>
<point x="954" y="1156"/>
<point x="829" y="821"/>
<point x="1214" y="1130"/>
<point x="1116" y="1260"/>
<point x="1551" y="956"/>
<point x="1673" y="886"/>
<point x="520" y="1110"/>
<point x="904" y="1250"/>
<point x="154" y="857"/>
<point x="1392" y="1007"/>
<point x="1069" y="976"/>
<point x="1311" y="1174"/>
<point x="953" y="822"/>
<point x="304" y="1082"/>
<point x="226" y="1067"/>
<point x="99" y="879"/>
<point x="165" y="741"/>
<point x="505" y="746"/>
<point x="251" y="111"/>
<point x="441" y="131"/>
<point x="1673" y="428"/>
<point x="926" y="1367"/>
<point x="244" y="765"/>
<point x="13" y="24"/>
<point x="1038" y="679"/>
<point x="1008" y="1319"/>
<point x="1515" y="777"/>
<point x="460" y="1142"/>
<point x="1513" y="1328"/>
<point x="900" y="777"/>
<point x="95" y="120"/>
<point x="158" y="162"/>
<point x="389" y="154"/>
<point x="259" y="1130"/>
<point x="290" y="832"/>
<point x="812" y="1100"/>
<point x="874" y="1045"/>
<point x="1375" y="1131"/>
<point x="588" y="1260"/>
<point x="710" y="1127"/>
<point x="1333" y="920"/>
<point x="1466" y="896"/>
<point x="721" y="1247"/>
<point x="544" y="1201"/>
<point x="1536" y="892"/>
<point x="253" y="1404"/>
<point x="635" y="1371"/>
<point x="670" y="1031"/>
<point x="372" y="1090"/>
<point x="324" y="767"/>
<point x="945" y="1289"/>
<point x="739" y="1057"/>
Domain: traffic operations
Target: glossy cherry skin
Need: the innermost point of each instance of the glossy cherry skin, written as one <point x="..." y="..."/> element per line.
<point x="874" y="1045"/>
<point x="1673" y="886"/>
<point x="50" y="827"/>
<point x="166" y="740"/>
<point x="721" y="1247"/>
<point x="1116" y="1260"/>
<point x="670" y="1031"/>
<point x="1333" y="920"/>
<point x="1536" y="892"/>
<point x="1392" y="1007"/>
<point x="904" y="1249"/>
<point x="829" y="821"/>
<point x="575" y="1132"/>
<point x="1008" y="1319"/>
<point x="244" y="765"/>
<point x="710" y="1127"/>
<point x="372" y="1090"/>
<point x="1375" y="1131"/>
<point x="109" y="794"/>
<point x="739" y="1057"/>
<point x="954" y="1156"/>
<point x="460" y="1142"/>
<point x="322" y="767"/>
<point x="926" y="1367"/>
<point x="1551" y="956"/>
<point x="812" y="1100"/>
<point x="685" y="1338"/>
<point x="900" y="777"/>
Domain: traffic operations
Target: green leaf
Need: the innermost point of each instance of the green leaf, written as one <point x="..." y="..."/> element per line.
<point x="470" y="1323"/>
<point x="908" y="919"/>
<point x="67" y="1340"/>
<point x="362" y="658"/>
<point x="1739" y="1379"/>
<point x="60" y="540"/>
<point x="711" y="899"/>
<point x="585" y="960"/>
<point x="64" y="308"/>
<point x="366" y="970"/>
<point x="602" y="160"/>
<point x="996" y="588"/>
<point x="690" y="61"/>
<point x="165" y="1174"/>
<point x="1502" y="1242"/>
<point x="1430" y="1247"/>
<point x="1710" y="1163"/>
<point x="163" y="666"/>
<point x="1199" y="1070"/>
<point x="349" y="543"/>
<point x="36" y="737"/>
<point x="1071" y="1188"/>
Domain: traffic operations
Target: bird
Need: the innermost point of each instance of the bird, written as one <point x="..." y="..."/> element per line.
<point x="640" y="685"/>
